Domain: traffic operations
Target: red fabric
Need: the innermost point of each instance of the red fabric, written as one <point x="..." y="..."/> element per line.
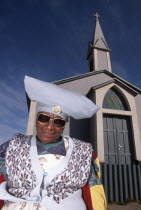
<point x="94" y="155"/>
<point x="1" y="180"/>
<point x="86" y="194"/>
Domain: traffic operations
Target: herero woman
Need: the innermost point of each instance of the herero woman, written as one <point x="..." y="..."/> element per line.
<point x="48" y="170"/>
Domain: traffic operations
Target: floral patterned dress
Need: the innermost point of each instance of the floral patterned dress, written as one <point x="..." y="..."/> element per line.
<point x="49" y="155"/>
<point x="46" y="160"/>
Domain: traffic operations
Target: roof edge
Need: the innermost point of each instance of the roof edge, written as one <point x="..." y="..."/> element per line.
<point x="118" y="82"/>
<point x="81" y="76"/>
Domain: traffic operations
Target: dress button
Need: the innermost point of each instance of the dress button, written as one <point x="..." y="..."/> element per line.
<point x="38" y="198"/>
<point x="45" y="174"/>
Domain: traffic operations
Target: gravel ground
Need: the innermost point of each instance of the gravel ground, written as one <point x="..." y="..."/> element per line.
<point x="129" y="206"/>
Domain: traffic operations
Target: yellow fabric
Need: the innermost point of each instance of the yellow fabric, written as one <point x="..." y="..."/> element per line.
<point x="98" y="197"/>
<point x="97" y="192"/>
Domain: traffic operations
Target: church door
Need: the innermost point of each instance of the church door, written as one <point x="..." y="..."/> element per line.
<point x="118" y="139"/>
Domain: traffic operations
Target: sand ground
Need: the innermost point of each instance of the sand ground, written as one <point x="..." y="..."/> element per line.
<point x="129" y="206"/>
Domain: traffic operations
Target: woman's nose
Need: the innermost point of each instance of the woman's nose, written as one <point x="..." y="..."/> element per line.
<point x="50" y="125"/>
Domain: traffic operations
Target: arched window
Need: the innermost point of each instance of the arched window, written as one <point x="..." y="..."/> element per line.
<point x="114" y="100"/>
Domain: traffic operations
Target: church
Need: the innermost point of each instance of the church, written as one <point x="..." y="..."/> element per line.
<point x="115" y="130"/>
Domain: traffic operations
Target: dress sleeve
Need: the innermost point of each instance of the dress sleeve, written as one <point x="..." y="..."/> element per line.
<point x="93" y="192"/>
<point x="96" y="188"/>
<point x="3" y="149"/>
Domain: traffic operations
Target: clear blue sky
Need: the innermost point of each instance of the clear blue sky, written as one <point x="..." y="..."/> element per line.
<point x="48" y="40"/>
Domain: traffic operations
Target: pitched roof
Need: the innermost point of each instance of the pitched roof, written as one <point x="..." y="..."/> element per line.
<point x="113" y="76"/>
<point x="99" y="40"/>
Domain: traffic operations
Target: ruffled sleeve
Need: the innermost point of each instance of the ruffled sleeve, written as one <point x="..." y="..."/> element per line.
<point x="93" y="192"/>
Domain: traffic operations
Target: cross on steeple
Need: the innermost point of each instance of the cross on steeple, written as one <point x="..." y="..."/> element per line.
<point x="98" y="51"/>
<point x="97" y="16"/>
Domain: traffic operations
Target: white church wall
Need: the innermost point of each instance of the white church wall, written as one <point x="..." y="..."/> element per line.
<point x="31" y="119"/>
<point x="103" y="61"/>
<point x="83" y="85"/>
<point x="138" y="106"/>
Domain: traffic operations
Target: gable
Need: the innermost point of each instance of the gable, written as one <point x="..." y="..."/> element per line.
<point x="83" y="83"/>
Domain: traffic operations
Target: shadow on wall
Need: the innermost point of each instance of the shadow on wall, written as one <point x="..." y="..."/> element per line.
<point x="80" y="129"/>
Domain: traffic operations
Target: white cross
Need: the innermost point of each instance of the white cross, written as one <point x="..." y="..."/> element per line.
<point x="96" y="15"/>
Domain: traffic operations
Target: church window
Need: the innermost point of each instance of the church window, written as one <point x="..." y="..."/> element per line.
<point x="114" y="100"/>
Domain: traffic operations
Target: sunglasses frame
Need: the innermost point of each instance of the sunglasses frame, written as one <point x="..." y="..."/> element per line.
<point x="50" y="120"/>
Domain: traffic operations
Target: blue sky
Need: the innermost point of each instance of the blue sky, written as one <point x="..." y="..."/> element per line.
<point x="48" y="40"/>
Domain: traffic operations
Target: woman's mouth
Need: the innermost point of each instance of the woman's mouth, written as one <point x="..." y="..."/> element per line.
<point x="48" y="134"/>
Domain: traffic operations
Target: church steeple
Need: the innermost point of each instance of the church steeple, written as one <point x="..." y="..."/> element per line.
<point x="98" y="51"/>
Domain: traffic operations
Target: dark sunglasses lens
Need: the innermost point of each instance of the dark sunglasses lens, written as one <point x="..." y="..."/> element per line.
<point x="59" y="123"/>
<point x="43" y="118"/>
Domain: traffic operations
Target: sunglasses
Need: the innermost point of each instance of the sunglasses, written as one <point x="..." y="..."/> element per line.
<point x="45" y="119"/>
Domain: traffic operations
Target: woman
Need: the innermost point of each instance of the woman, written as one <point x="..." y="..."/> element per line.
<point x="48" y="170"/>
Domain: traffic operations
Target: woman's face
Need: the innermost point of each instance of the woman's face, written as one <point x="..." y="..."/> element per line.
<point x="48" y="132"/>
